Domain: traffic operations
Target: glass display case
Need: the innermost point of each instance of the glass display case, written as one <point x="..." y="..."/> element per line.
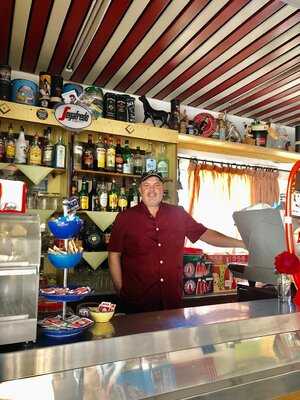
<point x="20" y="251"/>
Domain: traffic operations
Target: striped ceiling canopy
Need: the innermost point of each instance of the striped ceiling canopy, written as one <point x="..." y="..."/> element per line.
<point x="242" y="56"/>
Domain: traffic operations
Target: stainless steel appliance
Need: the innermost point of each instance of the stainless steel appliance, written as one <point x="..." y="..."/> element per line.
<point x="20" y="252"/>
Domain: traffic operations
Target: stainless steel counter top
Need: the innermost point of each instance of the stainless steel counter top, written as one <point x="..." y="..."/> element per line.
<point x="251" y="369"/>
<point x="151" y="334"/>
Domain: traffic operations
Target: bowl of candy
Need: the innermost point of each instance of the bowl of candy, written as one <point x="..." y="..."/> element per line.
<point x="103" y="313"/>
<point x="67" y="257"/>
<point x="65" y="227"/>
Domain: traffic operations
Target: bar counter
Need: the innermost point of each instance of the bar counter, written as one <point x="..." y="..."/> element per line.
<point x="167" y="343"/>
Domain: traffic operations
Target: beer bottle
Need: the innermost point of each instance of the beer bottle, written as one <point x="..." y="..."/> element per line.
<point x="84" y="195"/>
<point x="113" y="197"/>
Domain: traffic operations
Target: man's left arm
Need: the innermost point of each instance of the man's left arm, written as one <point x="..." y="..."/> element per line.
<point x="217" y="239"/>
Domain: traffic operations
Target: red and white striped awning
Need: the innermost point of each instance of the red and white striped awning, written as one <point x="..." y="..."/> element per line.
<point x="242" y="56"/>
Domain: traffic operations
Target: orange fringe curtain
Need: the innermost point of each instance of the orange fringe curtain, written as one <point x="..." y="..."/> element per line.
<point x="264" y="187"/>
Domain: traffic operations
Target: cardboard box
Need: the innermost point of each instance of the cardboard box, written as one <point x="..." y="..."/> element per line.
<point x="196" y="264"/>
<point x="197" y="286"/>
<point x="223" y="279"/>
<point x="197" y="273"/>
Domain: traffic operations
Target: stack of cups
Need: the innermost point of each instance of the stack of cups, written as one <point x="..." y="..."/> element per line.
<point x="5" y="75"/>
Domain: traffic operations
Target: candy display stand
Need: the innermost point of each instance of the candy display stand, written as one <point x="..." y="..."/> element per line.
<point x="65" y="229"/>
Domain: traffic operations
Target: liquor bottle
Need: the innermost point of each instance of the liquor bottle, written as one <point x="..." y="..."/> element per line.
<point x="138" y="162"/>
<point x="88" y="154"/>
<point x="92" y="237"/>
<point x="77" y="154"/>
<point x="113" y="197"/>
<point x="74" y="189"/>
<point x="133" y="195"/>
<point x="119" y="157"/>
<point x="100" y="155"/>
<point x="48" y="149"/>
<point x="122" y="202"/>
<point x="150" y="160"/>
<point x="163" y="163"/>
<point x="84" y="195"/>
<point x="94" y="197"/>
<point x="10" y="146"/>
<point x="59" y="154"/>
<point x="111" y="155"/>
<point x="128" y="159"/>
<point x="103" y="197"/>
<point x="21" y="148"/>
<point x="2" y="147"/>
<point x="106" y="236"/>
<point x="35" y="152"/>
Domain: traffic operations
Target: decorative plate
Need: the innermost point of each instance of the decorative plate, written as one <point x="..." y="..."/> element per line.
<point x="205" y="123"/>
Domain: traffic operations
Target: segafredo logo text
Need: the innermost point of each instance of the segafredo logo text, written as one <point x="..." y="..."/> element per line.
<point x="73" y="117"/>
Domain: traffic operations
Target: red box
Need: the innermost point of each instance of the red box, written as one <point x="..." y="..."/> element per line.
<point x="223" y="279"/>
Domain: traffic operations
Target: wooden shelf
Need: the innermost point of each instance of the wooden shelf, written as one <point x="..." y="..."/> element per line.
<point x="23" y="112"/>
<point x="198" y="143"/>
<point x="103" y="173"/>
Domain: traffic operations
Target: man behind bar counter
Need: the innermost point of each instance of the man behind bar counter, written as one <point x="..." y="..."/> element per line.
<point x="146" y="249"/>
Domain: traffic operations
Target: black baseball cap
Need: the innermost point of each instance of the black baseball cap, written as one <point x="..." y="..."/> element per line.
<point x="148" y="174"/>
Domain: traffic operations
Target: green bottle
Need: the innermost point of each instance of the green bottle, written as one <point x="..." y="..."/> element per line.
<point x="84" y="195"/>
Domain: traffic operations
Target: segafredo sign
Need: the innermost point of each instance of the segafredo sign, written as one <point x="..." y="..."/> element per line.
<point x="73" y="117"/>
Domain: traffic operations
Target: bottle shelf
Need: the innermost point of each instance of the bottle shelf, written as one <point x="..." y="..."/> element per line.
<point x="87" y="172"/>
<point x="191" y="142"/>
<point x="104" y="173"/>
<point x="28" y="113"/>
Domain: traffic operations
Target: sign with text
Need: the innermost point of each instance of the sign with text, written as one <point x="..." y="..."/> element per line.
<point x="73" y="116"/>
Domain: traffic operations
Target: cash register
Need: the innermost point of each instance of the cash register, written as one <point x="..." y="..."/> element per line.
<point x="262" y="231"/>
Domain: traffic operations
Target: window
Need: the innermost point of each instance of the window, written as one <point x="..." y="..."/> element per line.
<point x="220" y="194"/>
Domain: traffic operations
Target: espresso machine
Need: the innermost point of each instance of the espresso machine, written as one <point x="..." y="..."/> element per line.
<point x="20" y="252"/>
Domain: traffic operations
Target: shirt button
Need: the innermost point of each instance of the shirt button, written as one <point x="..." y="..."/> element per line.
<point x="159" y="244"/>
<point x="161" y="279"/>
<point x="161" y="262"/>
<point x="157" y="229"/>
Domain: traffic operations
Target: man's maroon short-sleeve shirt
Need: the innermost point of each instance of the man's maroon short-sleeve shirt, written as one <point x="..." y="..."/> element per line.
<point x="152" y="252"/>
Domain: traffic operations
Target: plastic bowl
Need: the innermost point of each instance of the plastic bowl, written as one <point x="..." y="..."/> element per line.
<point x="99" y="316"/>
<point x="62" y="261"/>
<point x="65" y="229"/>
